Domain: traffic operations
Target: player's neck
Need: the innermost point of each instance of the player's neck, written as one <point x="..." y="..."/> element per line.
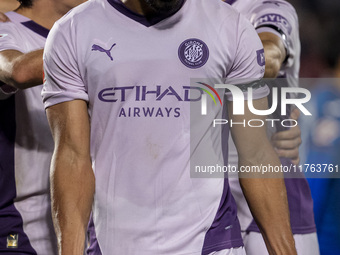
<point x="137" y="6"/>
<point x="44" y="12"/>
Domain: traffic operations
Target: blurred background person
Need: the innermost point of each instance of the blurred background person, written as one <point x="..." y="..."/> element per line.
<point x="322" y="146"/>
<point x="26" y="143"/>
<point x="320" y="60"/>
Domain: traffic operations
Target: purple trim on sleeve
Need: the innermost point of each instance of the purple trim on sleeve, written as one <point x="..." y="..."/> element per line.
<point x="35" y="27"/>
<point x="119" y="6"/>
<point x="10" y="219"/>
<point x="275" y="20"/>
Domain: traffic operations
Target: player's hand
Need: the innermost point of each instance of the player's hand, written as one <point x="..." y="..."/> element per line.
<point x="287" y="142"/>
<point x="3" y="17"/>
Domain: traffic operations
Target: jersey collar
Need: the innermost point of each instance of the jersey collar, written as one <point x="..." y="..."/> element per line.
<point x="230" y="1"/>
<point x="119" y="6"/>
<point x="30" y="24"/>
<point x="35" y="27"/>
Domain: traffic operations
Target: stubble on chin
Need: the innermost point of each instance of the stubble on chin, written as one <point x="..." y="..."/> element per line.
<point x="163" y="6"/>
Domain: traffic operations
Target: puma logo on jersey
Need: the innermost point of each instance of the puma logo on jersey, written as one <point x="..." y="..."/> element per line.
<point x="3" y="35"/>
<point x="96" y="47"/>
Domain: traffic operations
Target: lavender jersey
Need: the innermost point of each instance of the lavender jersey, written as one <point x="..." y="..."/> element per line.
<point x="135" y="75"/>
<point x="278" y="17"/>
<point x="26" y="148"/>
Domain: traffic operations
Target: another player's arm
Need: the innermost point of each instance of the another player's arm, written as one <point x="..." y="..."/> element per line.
<point x="275" y="53"/>
<point x="21" y="70"/>
<point x="266" y="197"/>
<point x="72" y="178"/>
<point x="287" y="142"/>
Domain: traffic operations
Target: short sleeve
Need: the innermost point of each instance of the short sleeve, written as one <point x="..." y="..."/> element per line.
<point x="62" y="81"/>
<point x="249" y="63"/>
<point x="9" y="38"/>
<point x="279" y="18"/>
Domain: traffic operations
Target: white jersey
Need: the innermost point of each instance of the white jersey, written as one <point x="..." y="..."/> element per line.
<point x="26" y="149"/>
<point x="135" y="75"/>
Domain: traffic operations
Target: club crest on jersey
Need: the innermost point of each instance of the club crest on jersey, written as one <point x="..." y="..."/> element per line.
<point x="12" y="241"/>
<point x="193" y="53"/>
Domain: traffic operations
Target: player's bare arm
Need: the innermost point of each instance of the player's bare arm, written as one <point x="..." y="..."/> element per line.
<point x="21" y="70"/>
<point x="275" y="53"/>
<point x="287" y="142"/>
<point x="266" y="197"/>
<point x="72" y="178"/>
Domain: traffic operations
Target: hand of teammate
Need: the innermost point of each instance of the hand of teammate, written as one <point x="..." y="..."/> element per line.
<point x="3" y="17"/>
<point x="287" y="142"/>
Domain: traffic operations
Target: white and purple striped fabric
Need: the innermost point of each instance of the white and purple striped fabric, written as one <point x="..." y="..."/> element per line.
<point x="26" y="147"/>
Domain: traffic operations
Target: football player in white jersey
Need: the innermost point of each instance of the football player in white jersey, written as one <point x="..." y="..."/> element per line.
<point x="277" y="25"/>
<point x="26" y="143"/>
<point x="116" y="92"/>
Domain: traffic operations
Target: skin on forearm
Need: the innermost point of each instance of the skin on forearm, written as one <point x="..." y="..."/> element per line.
<point x="72" y="189"/>
<point x="267" y="200"/>
<point x="72" y="178"/>
<point x="21" y="70"/>
<point x="266" y="197"/>
<point x="287" y="142"/>
<point x="275" y="53"/>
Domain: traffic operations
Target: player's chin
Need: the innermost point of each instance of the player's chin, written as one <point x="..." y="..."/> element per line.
<point x="164" y="6"/>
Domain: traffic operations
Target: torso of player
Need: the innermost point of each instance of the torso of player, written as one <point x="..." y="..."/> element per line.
<point x="138" y="80"/>
<point x="33" y="146"/>
<point x="144" y="92"/>
<point x="138" y="77"/>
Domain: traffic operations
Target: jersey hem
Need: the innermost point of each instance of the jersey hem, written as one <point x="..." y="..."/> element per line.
<point x="222" y="246"/>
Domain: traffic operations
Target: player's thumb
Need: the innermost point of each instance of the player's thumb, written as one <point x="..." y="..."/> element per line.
<point x="3" y="17"/>
<point x="295" y="114"/>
